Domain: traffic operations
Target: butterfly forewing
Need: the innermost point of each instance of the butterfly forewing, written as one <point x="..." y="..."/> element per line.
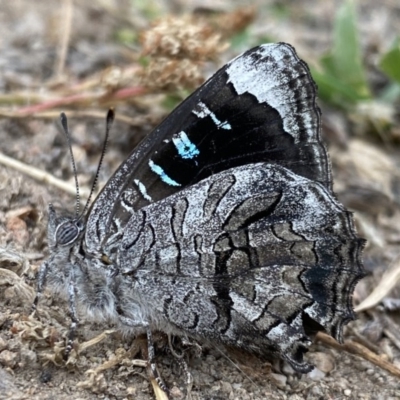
<point x="260" y="107"/>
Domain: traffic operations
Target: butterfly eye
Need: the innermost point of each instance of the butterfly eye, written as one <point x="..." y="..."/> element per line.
<point x="67" y="232"/>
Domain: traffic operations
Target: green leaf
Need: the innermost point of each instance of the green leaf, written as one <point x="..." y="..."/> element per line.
<point x="128" y="36"/>
<point x="333" y="90"/>
<point x="143" y="61"/>
<point x="390" y="62"/>
<point x="390" y="93"/>
<point x="343" y="75"/>
<point x="346" y="50"/>
<point x="240" y="39"/>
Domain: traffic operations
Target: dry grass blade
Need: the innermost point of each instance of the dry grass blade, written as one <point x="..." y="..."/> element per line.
<point x="95" y="340"/>
<point x="159" y="393"/>
<point x="73" y="114"/>
<point x="389" y="280"/>
<point x="41" y="176"/>
<point x="68" y="7"/>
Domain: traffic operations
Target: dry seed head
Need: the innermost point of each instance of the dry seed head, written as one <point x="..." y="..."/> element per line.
<point x="182" y="37"/>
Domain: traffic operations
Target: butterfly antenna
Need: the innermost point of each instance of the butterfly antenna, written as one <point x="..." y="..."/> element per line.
<point x="64" y="124"/>
<point x="109" y="122"/>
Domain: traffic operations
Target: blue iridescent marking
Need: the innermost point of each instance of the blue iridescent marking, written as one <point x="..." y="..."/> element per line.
<point x="161" y="173"/>
<point x="185" y="147"/>
<point x="143" y="190"/>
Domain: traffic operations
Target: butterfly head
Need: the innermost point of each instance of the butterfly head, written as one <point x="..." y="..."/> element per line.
<point x="63" y="231"/>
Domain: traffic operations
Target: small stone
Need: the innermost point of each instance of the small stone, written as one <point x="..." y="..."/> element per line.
<point x="323" y="361"/>
<point x="347" y="392"/>
<point x="373" y="331"/>
<point x="28" y="357"/>
<point x="99" y="384"/>
<point x="3" y="344"/>
<point x="8" y="358"/>
<point x="131" y="390"/>
<point x="19" y="230"/>
<point x="278" y="380"/>
<point x="316" y="374"/>
<point x="176" y="393"/>
<point x="317" y="391"/>
<point x="287" y="369"/>
<point x="8" y="389"/>
<point x="215" y="388"/>
<point x="342" y="383"/>
<point x="9" y="293"/>
<point x="45" y="376"/>
<point x="226" y="387"/>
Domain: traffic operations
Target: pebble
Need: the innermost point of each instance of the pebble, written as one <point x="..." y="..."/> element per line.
<point x="317" y="391"/>
<point x="131" y="390"/>
<point x="347" y="392"/>
<point x="226" y="387"/>
<point x="176" y="393"/>
<point x="278" y="380"/>
<point x="8" y="358"/>
<point x="370" y="371"/>
<point x="3" y="344"/>
<point x="316" y="374"/>
<point x="287" y="369"/>
<point x="323" y="361"/>
<point x="19" y="230"/>
<point x="28" y="357"/>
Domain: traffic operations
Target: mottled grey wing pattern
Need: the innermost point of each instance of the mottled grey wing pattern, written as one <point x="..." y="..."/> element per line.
<point x="248" y="257"/>
<point x="260" y="107"/>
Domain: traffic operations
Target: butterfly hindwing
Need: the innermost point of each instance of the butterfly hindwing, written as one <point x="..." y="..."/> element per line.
<point x="232" y="257"/>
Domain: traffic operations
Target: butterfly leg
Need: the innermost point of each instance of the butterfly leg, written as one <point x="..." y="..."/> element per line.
<point x="150" y="349"/>
<point x="189" y="378"/>
<point x="183" y="365"/>
<point x="152" y="362"/>
<point x="74" y="317"/>
<point x="41" y="281"/>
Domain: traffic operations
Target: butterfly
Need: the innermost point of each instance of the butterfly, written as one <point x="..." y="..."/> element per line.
<point x="221" y="225"/>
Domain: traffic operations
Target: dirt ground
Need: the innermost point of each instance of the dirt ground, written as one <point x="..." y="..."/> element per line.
<point x="367" y="181"/>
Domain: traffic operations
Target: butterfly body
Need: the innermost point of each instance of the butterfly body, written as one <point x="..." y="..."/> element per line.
<point x="222" y="224"/>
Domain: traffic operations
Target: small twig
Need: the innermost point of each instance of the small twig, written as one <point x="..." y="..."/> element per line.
<point x="95" y="340"/>
<point x="41" y="176"/>
<point x="358" y="349"/>
<point x="102" y="98"/>
<point x="54" y="114"/>
<point x="364" y="341"/>
<point x="74" y="99"/>
<point x="65" y="37"/>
